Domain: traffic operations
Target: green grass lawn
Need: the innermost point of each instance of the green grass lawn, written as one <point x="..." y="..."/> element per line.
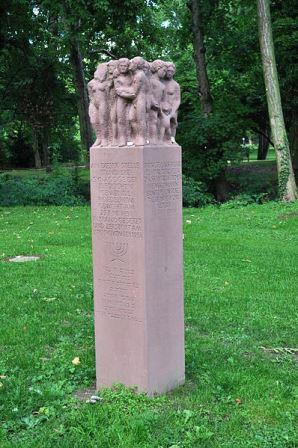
<point x="253" y="156"/>
<point x="240" y="291"/>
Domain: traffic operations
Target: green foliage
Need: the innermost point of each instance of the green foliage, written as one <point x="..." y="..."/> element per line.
<point x="284" y="173"/>
<point x="242" y="200"/>
<point x="247" y="150"/>
<point x="236" y="79"/>
<point x="35" y="71"/>
<point x="194" y="193"/>
<point x="54" y="189"/>
<point x="237" y="394"/>
<point x="213" y="140"/>
<point x="15" y="147"/>
<point x="254" y="179"/>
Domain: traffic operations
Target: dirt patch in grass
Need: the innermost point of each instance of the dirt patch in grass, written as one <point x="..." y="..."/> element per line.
<point x="286" y="216"/>
<point x="85" y="394"/>
<point x="277" y="352"/>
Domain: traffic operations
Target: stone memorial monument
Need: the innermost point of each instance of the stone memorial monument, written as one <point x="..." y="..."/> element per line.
<point x="136" y="204"/>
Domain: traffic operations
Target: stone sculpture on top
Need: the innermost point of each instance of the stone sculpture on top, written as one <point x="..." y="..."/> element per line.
<point x="134" y="102"/>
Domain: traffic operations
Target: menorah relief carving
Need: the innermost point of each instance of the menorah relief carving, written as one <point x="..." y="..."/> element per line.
<point x="134" y="103"/>
<point x="118" y="250"/>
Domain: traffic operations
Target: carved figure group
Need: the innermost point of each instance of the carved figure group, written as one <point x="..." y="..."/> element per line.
<point x="134" y="102"/>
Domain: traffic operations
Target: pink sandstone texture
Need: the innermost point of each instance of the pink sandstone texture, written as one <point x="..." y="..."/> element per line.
<point x="137" y="256"/>
<point x="136" y="202"/>
<point x="134" y="102"/>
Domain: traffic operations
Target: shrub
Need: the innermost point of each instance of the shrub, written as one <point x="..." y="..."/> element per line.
<point x="194" y="193"/>
<point x="52" y="189"/>
<point x="241" y="200"/>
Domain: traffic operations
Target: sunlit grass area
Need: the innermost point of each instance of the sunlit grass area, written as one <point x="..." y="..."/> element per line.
<point x="240" y="292"/>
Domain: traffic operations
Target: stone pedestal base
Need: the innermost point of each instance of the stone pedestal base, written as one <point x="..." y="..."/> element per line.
<point x="136" y="203"/>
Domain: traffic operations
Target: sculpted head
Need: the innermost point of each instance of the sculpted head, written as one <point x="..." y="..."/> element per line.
<point x="171" y="70"/>
<point x="147" y="68"/>
<point x="123" y="65"/>
<point x="91" y="87"/>
<point x="112" y="66"/>
<point x="137" y="63"/>
<point x="159" y="67"/>
<point x="101" y="72"/>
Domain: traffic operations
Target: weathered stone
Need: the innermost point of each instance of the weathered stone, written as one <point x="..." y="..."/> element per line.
<point x="134" y="103"/>
<point x="137" y="258"/>
<point x="23" y="258"/>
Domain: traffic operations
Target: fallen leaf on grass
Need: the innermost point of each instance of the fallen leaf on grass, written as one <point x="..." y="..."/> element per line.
<point x="76" y="361"/>
<point x="238" y="401"/>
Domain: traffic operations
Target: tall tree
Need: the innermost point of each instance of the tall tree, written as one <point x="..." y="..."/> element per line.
<point x="293" y="138"/>
<point x="82" y="95"/>
<point x="287" y="185"/>
<point x="89" y="31"/>
<point x="199" y="57"/>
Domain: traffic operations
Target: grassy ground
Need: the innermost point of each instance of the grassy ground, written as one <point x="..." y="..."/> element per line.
<point x="253" y="156"/>
<point x="240" y="288"/>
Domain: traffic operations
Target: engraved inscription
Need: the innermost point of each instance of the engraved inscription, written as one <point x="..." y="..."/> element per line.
<point x="116" y="220"/>
<point x="119" y="226"/>
<point x="162" y="184"/>
<point x="115" y="196"/>
<point x="120" y="293"/>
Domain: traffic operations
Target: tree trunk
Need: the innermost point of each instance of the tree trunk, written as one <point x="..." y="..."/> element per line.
<point x="293" y="137"/>
<point x="287" y="185"/>
<point x="221" y="187"/>
<point x="82" y="94"/>
<point x="45" y="151"/>
<point x="37" y="159"/>
<point x="263" y="144"/>
<point x="199" y="58"/>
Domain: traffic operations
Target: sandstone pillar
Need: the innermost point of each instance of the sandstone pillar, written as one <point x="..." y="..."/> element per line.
<point x="137" y="262"/>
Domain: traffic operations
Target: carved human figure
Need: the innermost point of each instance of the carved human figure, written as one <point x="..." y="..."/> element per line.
<point x="157" y="88"/>
<point x="165" y="122"/>
<point x="98" y="107"/>
<point x="147" y="71"/>
<point x="124" y="97"/>
<point x="172" y="97"/>
<point x="134" y="101"/>
<point x="137" y="112"/>
<point x="112" y="65"/>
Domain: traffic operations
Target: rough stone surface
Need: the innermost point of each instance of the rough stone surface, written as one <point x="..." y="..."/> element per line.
<point x="134" y="102"/>
<point x="24" y="258"/>
<point x="136" y="203"/>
